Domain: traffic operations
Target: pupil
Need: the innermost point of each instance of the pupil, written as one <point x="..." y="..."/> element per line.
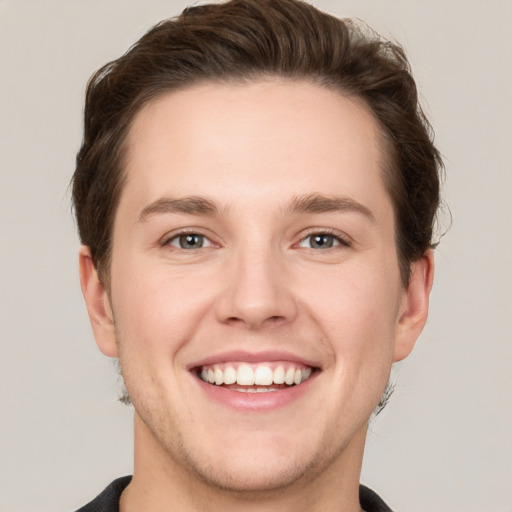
<point x="191" y="241"/>
<point x="322" y="241"/>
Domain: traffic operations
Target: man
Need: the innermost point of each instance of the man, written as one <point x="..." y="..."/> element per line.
<point x="255" y="195"/>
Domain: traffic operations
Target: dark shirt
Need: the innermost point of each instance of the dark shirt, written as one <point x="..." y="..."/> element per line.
<point x="108" y="500"/>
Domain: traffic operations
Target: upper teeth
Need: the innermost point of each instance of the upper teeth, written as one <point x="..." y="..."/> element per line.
<point x="263" y="374"/>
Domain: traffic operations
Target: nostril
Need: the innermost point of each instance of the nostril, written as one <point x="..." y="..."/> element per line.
<point x="275" y="319"/>
<point x="234" y="320"/>
<point x="255" y="302"/>
<point x="254" y="323"/>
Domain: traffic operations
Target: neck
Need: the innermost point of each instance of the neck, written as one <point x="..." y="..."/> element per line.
<point x="162" y="484"/>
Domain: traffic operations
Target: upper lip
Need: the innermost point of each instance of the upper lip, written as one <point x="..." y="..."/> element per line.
<point x="252" y="357"/>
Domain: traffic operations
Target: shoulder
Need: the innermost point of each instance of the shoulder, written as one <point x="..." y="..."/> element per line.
<point x="108" y="500"/>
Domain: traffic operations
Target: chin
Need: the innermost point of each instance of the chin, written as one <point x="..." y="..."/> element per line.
<point x="258" y="477"/>
<point x="258" y="463"/>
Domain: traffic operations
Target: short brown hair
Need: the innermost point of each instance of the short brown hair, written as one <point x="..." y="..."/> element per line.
<point x="244" y="40"/>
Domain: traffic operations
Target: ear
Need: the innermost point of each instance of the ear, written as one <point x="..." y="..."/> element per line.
<point x="414" y="306"/>
<point x="98" y="304"/>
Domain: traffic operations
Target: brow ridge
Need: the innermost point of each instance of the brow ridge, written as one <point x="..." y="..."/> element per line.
<point x="308" y="203"/>
<point x="192" y="205"/>
<point x="318" y="203"/>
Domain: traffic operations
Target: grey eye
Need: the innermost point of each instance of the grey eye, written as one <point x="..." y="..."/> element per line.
<point x="320" y="241"/>
<point x="190" y="241"/>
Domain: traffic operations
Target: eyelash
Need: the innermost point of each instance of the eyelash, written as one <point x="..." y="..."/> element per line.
<point x="177" y="236"/>
<point x="337" y="240"/>
<point x="336" y="236"/>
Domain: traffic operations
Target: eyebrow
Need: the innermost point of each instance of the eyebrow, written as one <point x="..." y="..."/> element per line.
<point x="317" y="203"/>
<point x="192" y="205"/>
<point x="311" y="203"/>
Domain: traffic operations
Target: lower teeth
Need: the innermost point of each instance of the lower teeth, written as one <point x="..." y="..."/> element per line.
<point x="254" y="390"/>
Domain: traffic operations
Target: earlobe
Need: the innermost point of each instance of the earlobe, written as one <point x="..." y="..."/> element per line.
<point x="98" y="304"/>
<point x="414" y="308"/>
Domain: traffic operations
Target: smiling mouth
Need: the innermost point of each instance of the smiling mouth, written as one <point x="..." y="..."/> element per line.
<point x="255" y="378"/>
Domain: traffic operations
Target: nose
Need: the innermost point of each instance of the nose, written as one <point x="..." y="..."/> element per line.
<point x="257" y="292"/>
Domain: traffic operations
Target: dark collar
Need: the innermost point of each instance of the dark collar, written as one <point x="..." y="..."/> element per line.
<point x="108" y="500"/>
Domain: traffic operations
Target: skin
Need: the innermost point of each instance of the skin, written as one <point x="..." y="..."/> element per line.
<point x="257" y="284"/>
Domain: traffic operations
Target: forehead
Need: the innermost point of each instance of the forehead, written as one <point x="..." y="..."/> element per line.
<point x="262" y="139"/>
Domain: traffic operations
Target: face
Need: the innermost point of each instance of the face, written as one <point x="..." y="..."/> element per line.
<point x="255" y="304"/>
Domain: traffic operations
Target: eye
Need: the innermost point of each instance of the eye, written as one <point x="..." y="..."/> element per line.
<point x="189" y="241"/>
<point x="321" y="241"/>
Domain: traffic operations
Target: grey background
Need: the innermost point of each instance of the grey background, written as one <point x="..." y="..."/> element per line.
<point x="444" y="441"/>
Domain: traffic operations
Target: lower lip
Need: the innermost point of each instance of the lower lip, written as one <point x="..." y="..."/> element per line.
<point x="265" y="401"/>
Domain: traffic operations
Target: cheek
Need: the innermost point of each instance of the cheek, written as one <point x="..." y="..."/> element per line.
<point x="158" y="309"/>
<point x="358" y="313"/>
